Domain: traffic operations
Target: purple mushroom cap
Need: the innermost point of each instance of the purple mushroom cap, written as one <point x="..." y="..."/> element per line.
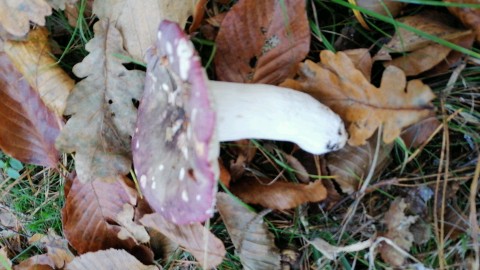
<point x="174" y="146"/>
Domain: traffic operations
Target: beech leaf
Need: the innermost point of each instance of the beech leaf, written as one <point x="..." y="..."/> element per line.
<point x="90" y="215"/>
<point x="101" y="108"/>
<point x="268" y="37"/>
<point x="108" y="259"/>
<point x="253" y="242"/>
<point x="338" y="84"/>
<point x="15" y="16"/>
<point x="28" y="129"/>
<point x="195" y="238"/>
<point x="138" y="21"/>
<point x="33" y="59"/>
<point x="277" y="195"/>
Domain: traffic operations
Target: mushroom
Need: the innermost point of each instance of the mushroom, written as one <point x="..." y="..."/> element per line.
<point x="182" y="117"/>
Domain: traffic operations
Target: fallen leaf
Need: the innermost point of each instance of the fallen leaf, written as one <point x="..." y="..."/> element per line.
<point x="108" y="259"/>
<point x="385" y="7"/>
<point x="268" y="37"/>
<point x="362" y="60"/>
<point x="331" y="252"/>
<point x="28" y="129"/>
<point x="277" y="195"/>
<point x="33" y="59"/>
<point x="253" y="243"/>
<point x="101" y="108"/>
<point x="351" y="164"/>
<point x="420" y="60"/>
<point x="430" y="22"/>
<point x="470" y="17"/>
<point x="175" y="157"/>
<point x="339" y="85"/>
<point x="454" y="57"/>
<point x="90" y="215"/>
<point x="195" y="238"/>
<point x="398" y="225"/>
<point x="129" y="229"/>
<point x="15" y="16"/>
<point x="417" y="134"/>
<point x="138" y="21"/>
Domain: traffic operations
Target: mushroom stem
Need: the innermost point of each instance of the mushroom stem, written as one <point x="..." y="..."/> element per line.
<point x="260" y="111"/>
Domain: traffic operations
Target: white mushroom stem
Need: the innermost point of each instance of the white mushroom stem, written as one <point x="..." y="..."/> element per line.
<point x="260" y="111"/>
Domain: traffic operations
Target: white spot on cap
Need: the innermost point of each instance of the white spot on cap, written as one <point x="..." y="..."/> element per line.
<point x="136" y="130"/>
<point x="168" y="46"/>
<point x="162" y="209"/>
<point x="159" y="35"/>
<point x="174" y="220"/>
<point x="209" y="211"/>
<point x="198" y="197"/>
<point x="165" y="87"/>
<point x="137" y="145"/>
<point x="181" y="175"/>
<point x="154" y="184"/>
<point x="185" y="53"/>
<point x="194" y="114"/>
<point x="160" y="167"/>
<point x="184" y="196"/>
<point x="153" y="178"/>
<point x="143" y="180"/>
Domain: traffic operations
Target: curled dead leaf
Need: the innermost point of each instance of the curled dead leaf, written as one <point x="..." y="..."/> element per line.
<point x="277" y="195"/>
<point x="338" y="84"/>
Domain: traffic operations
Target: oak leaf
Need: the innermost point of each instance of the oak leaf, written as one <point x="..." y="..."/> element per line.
<point x="268" y="37"/>
<point x="253" y="242"/>
<point x="91" y="213"/>
<point x="108" y="259"/>
<point x="195" y="238"/>
<point x="101" y="107"/>
<point x="338" y="84"/>
<point x="33" y="59"/>
<point x="138" y="21"/>
<point x="15" y="16"/>
<point x="28" y="129"/>
<point x="277" y="195"/>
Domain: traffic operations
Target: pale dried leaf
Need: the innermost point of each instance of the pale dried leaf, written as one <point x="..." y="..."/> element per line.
<point x="129" y="228"/>
<point x="398" y="230"/>
<point x="277" y="195"/>
<point x="108" y="259"/>
<point x="138" y="20"/>
<point x="351" y="164"/>
<point x="268" y="37"/>
<point x="331" y="252"/>
<point x="432" y="23"/>
<point x="253" y="242"/>
<point x="195" y="238"/>
<point x="362" y="60"/>
<point x="33" y="59"/>
<point x="338" y="84"/>
<point x="102" y="109"/>
<point x="15" y="16"/>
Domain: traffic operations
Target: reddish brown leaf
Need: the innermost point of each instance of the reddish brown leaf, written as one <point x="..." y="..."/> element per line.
<point x="90" y="215"/>
<point x="108" y="259"/>
<point x="28" y="129"/>
<point x="277" y="195"/>
<point x="262" y="41"/>
<point x="253" y="242"/>
<point x="195" y="238"/>
<point x="470" y="17"/>
<point x="417" y="134"/>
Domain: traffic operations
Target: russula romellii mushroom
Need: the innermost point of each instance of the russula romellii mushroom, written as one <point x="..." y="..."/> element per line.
<point x="182" y="117"/>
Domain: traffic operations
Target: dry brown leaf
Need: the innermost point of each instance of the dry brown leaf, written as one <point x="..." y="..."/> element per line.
<point x="277" y="195"/>
<point x="138" y="21"/>
<point x="362" y="60"/>
<point x="103" y="114"/>
<point x="33" y="59"/>
<point x="130" y="229"/>
<point x="417" y="134"/>
<point x="15" y="16"/>
<point x="339" y="85"/>
<point x="430" y="22"/>
<point x="28" y="129"/>
<point x="90" y="215"/>
<point x="420" y="60"/>
<point x="253" y="243"/>
<point x="470" y="17"/>
<point x="108" y="259"/>
<point x="398" y="225"/>
<point x="268" y="37"/>
<point x="195" y="238"/>
<point x="351" y="164"/>
<point x="454" y="57"/>
<point x="384" y="7"/>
